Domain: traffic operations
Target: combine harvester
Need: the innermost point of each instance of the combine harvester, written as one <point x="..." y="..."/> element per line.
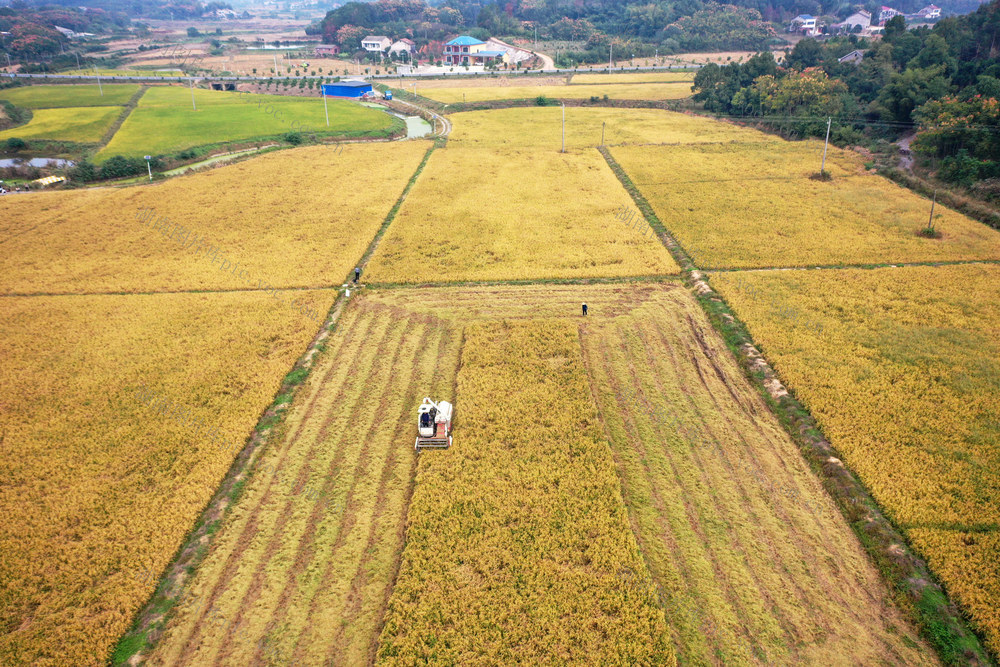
<point x="433" y="425"/>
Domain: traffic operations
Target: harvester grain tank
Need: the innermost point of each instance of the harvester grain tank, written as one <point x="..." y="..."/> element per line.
<point x="433" y="425"/>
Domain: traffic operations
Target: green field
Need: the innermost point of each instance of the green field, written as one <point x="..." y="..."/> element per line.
<point x="165" y="122"/>
<point x="87" y="95"/>
<point x="85" y="125"/>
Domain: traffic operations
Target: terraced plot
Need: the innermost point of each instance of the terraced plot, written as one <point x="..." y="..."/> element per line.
<point x="304" y="233"/>
<point x="165" y="122"/>
<point x="901" y="374"/>
<point x="541" y="127"/>
<point x="615" y="91"/>
<point x="121" y="415"/>
<point x="81" y="125"/>
<point x="87" y="95"/>
<point x="720" y="202"/>
<point x="631" y="77"/>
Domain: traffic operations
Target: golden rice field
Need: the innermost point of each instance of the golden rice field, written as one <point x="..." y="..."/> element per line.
<point x="754" y="205"/>
<point x="291" y="577"/>
<point x="517" y="535"/>
<point x="85" y="125"/>
<point x="904" y="380"/>
<point x="272" y="215"/>
<point x="615" y="91"/>
<point x="541" y="127"/>
<point x="287" y="567"/>
<point x="554" y="219"/>
<point x="631" y="77"/>
<point x="752" y="558"/>
<point x="96" y="485"/>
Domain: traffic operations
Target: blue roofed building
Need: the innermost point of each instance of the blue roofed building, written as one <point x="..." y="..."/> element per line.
<point x="465" y="50"/>
<point x="348" y="88"/>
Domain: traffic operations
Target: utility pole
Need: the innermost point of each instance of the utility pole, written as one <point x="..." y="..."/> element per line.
<point x="77" y="59"/>
<point x="563" y="128"/>
<point x="930" y="220"/>
<point x="275" y="63"/>
<point x="823" y="164"/>
<point x="193" y="106"/>
<point x="99" y="86"/>
<point x="325" y="110"/>
<point x="611" y="57"/>
<point x="148" y="168"/>
<point x="603" y="125"/>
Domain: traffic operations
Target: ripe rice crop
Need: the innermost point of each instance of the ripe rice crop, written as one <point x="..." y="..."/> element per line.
<point x="516" y="534"/>
<point x="80" y="125"/>
<point x="96" y="486"/>
<point x="87" y="95"/>
<point x="298" y="231"/>
<point x="541" y="127"/>
<point x="754" y="205"/>
<point x="534" y="214"/>
<point x="631" y="77"/>
<point x="904" y="382"/>
<point x="615" y="91"/>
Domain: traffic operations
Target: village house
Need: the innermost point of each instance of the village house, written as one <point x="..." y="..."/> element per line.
<point x="887" y="13"/>
<point x="854" y="57"/>
<point x="327" y="49"/>
<point x="856" y="22"/>
<point x="465" y="50"/>
<point x="404" y="45"/>
<point x="803" y="23"/>
<point x="376" y="43"/>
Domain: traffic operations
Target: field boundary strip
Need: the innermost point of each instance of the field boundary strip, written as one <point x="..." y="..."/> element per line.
<point x="909" y="580"/>
<point x="122" y="117"/>
<point x="152" y="618"/>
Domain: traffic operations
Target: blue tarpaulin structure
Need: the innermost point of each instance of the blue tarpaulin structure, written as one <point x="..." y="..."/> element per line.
<point x="347" y="89"/>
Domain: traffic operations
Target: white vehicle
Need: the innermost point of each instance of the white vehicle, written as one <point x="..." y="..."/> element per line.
<point x="433" y="425"/>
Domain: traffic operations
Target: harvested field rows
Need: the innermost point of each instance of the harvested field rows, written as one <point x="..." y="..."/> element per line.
<point x="752" y="558"/>
<point x="720" y="203"/>
<point x="656" y="366"/>
<point x="904" y="381"/>
<point x="305" y="563"/>
<point x="100" y="483"/>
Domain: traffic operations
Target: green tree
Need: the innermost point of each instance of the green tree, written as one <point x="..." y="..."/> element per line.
<point x="909" y="89"/>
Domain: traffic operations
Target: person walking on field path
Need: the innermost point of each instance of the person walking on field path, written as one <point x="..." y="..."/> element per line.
<point x="584" y="310"/>
<point x="357" y="273"/>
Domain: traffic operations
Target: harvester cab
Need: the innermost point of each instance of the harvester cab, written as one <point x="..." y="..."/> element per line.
<point x="433" y="425"/>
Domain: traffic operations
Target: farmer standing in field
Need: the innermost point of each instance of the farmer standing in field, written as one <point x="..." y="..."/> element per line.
<point x="584" y="310"/>
<point x="357" y="273"/>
